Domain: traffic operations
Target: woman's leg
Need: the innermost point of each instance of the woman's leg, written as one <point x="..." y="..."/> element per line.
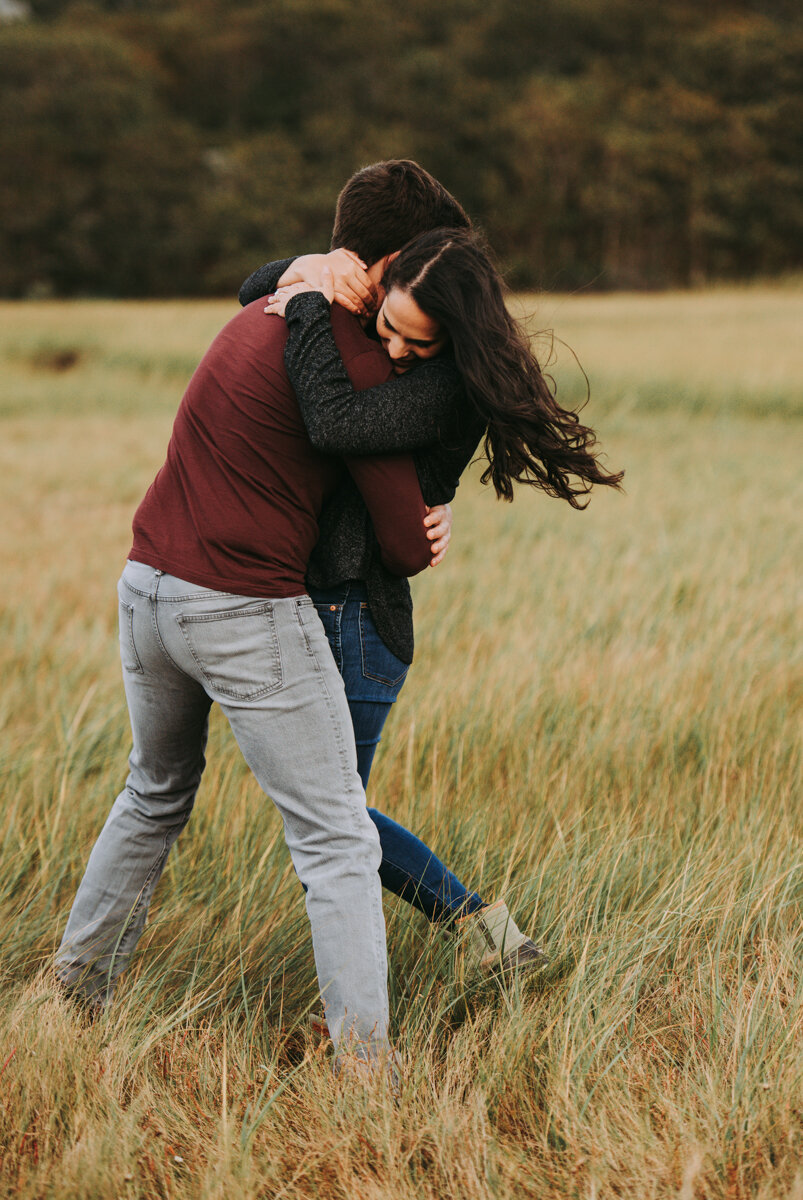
<point x="373" y="677"/>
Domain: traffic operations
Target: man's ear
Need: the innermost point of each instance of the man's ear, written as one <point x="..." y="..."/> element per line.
<point x="385" y="262"/>
<point x="376" y="271"/>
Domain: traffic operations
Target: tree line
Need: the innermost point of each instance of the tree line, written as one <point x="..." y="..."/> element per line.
<point x="168" y="148"/>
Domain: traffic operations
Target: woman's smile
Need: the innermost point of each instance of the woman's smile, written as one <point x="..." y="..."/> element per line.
<point x="406" y="332"/>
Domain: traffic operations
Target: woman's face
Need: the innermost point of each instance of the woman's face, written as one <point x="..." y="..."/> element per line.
<point x="406" y="332"/>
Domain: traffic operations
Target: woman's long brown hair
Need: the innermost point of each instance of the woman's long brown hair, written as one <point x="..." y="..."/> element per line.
<point x="530" y="438"/>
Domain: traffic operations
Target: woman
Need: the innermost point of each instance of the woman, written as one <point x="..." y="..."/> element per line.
<point x="443" y="297"/>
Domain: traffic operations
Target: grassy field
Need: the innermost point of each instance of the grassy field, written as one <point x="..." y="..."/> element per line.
<point x="602" y="725"/>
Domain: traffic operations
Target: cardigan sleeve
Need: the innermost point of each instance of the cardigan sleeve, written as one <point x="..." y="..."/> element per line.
<point x="264" y="280"/>
<point x="439" y="467"/>
<point x="422" y="407"/>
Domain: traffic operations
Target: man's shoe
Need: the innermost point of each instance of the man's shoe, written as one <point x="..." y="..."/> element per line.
<point x="90" y="1008"/>
<point x="354" y="1067"/>
<point x="494" y="943"/>
<point x="356" y="1064"/>
<point x="318" y="1026"/>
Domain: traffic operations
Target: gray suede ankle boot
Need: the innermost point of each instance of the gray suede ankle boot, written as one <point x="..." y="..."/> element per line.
<point x="492" y="941"/>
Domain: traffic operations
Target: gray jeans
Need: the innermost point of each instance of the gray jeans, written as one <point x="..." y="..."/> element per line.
<point x="268" y="665"/>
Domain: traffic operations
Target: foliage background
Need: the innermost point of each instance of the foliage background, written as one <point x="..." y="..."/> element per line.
<point x="169" y="148"/>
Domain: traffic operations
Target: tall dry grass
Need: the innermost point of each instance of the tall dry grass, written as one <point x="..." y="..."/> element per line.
<point x="602" y="724"/>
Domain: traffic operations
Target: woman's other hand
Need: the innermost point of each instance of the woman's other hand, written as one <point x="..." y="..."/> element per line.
<point x="438" y="522"/>
<point x="353" y="289"/>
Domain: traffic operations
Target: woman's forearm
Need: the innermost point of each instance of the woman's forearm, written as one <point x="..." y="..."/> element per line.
<point x="264" y="280"/>
<point x="416" y="409"/>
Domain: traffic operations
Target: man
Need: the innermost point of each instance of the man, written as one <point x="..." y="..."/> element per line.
<point x="213" y="608"/>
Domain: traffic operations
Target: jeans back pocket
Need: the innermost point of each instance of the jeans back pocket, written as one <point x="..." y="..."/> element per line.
<point x="236" y="651"/>
<point x="378" y="663"/>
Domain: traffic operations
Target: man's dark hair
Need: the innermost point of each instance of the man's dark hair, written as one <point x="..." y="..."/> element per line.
<point x="386" y="205"/>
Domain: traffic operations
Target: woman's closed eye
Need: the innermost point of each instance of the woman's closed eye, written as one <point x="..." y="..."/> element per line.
<point x="406" y="332"/>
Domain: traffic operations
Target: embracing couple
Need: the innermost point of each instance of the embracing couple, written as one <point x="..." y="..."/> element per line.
<point x="308" y="474"/>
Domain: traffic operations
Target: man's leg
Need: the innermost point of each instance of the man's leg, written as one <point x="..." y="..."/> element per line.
<point x="269" y="666"/>
<point x="373" y="678"/>
<point x="169" y="714"/>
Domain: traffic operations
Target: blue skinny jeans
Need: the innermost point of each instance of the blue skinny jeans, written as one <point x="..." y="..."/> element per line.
<point x="373" y="677"/>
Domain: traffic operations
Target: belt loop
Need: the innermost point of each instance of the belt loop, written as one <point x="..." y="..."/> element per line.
<point x="155" y="592"/>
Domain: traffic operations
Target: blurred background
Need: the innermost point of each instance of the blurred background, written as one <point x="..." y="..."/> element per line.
<point x="168" y="148"/>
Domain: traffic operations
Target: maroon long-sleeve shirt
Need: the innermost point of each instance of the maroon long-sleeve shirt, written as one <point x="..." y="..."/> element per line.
<point x="236" y="505"/>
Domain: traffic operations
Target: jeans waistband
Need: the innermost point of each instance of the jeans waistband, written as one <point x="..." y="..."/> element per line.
<point x="154" y="583"/>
